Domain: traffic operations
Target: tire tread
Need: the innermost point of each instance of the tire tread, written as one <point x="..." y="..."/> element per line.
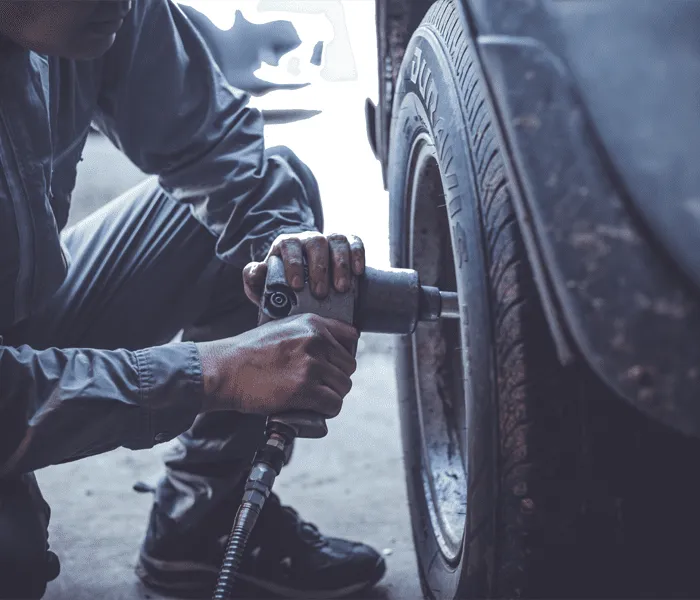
<point x="525" y="358"/>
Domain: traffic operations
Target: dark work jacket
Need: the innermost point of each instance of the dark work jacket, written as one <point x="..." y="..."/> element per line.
<point x="160" y="98"/>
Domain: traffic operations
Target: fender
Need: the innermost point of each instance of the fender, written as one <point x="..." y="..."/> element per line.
<point x="614" y="293"/>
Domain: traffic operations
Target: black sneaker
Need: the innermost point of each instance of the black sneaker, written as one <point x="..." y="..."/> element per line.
<point x="285" y="558"/>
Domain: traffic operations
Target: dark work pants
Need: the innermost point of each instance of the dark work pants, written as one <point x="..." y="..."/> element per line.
<point x="143" y="268"/>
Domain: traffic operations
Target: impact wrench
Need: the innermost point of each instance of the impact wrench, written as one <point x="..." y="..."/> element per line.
<point x="379" y="301"/>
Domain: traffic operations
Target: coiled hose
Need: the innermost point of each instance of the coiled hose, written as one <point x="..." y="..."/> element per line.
<point x="266" y="467"/>
<point x="237" y="541"/>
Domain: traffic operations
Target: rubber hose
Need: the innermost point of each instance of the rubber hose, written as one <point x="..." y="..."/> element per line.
<point x="234" y="553"/>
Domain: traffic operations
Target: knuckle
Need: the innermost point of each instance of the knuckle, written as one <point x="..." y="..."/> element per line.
<point x="307" y="343"/>
<point x="313" y="345"/>
<point x="279" y="246"/>
<point x="294" y="262"/>
<point x="319" y="269"/>
<point x="339" y="247"/>
<point x="306" y="373"/>
<point x="294" y="259"/>
<point x="341" y="272"/>
<point x="308" y="370"/>
<point x="316" y="322"/>
<point x="316" y="242"/>
<point x="341" y="262"/>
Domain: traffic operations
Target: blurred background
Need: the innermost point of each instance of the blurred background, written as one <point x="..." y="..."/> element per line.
<point x="309" y="65"/>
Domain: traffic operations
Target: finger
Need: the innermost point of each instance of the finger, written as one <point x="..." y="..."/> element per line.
<point x="335" y="378"/>
<point x="340" y="261"/>
<point x="357" y="253"/>
<point x="317" y="255"/>
<point x="254" y="281"/>
<point x="325" y="401"/>
<point x="343" y="333"/>
<point x="293" y="258"/>
<point x="334" y="332"/>
<point x="339" y="355"/>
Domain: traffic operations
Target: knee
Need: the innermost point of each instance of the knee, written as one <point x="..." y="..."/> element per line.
<point x="307" y="179"/>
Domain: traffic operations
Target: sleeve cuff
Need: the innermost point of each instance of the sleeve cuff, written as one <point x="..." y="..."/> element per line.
<point x="172" y="392"/>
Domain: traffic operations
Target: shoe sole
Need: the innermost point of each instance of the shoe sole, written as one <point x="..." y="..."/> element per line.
<point x="196" y="580"/>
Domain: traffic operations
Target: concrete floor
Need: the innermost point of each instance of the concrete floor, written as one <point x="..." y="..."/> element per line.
<point x="351" y="483"/>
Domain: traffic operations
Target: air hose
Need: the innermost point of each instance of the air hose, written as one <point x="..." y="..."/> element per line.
<point x="267" y="464"/>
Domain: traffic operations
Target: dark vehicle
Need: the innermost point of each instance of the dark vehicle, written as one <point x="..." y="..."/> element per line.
<point x="541" y="158"/>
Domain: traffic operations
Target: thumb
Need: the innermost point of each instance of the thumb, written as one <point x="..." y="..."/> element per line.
<point x="254" y="280"/>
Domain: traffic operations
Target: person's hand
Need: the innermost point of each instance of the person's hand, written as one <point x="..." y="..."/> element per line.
<point x="331" y="259"/>
<point x="298" y="363"/>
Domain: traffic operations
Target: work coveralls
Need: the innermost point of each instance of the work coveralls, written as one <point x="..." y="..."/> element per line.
<point x="86" y="314"/>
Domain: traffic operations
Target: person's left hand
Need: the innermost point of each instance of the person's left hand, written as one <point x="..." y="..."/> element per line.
<point x="332" y="259"/>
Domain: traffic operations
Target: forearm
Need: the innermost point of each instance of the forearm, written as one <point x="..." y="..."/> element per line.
<point x="61" y="405"/>
<point x="196" y="133"/>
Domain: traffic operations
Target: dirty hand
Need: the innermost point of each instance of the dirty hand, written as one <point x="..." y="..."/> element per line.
<point x="298" y="363"/>
<point x="332" y="258"/>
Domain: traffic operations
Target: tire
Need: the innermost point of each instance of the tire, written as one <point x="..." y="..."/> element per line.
<point x="525" y="479"/>
<point x="489" y="418"/>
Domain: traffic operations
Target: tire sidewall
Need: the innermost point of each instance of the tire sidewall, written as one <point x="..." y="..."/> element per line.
<point x="427" y="102"/>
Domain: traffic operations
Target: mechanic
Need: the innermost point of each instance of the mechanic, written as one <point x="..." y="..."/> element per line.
<point x="87" y="317"/>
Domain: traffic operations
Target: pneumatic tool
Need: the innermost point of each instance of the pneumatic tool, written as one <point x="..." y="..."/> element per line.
<point x="380" y="301"/>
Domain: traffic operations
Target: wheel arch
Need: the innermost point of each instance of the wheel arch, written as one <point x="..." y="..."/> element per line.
<point x="396" y="20"/>
<point x="611" y="296"/>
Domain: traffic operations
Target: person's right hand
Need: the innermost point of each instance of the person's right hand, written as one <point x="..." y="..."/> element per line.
<point x="298" y="363"/>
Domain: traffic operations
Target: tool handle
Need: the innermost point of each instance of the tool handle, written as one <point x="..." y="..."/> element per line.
<point x="305" y="423"/>
<point x="280" y="300"/>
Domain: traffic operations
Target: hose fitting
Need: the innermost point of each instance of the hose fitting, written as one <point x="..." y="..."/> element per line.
<point x="267" y="464"/>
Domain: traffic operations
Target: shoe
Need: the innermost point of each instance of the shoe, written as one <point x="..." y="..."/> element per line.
<point x="285" y="558"/>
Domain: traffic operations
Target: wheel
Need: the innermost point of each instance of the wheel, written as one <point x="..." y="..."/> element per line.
<point x="491" y="436"/>
<point x="525" y="478"/>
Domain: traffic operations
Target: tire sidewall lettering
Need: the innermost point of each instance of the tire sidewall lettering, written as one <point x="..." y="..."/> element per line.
<point x="422" y="82"/>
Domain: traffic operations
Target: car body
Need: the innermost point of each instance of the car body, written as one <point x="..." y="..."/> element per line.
<point x="598" y="106"/>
